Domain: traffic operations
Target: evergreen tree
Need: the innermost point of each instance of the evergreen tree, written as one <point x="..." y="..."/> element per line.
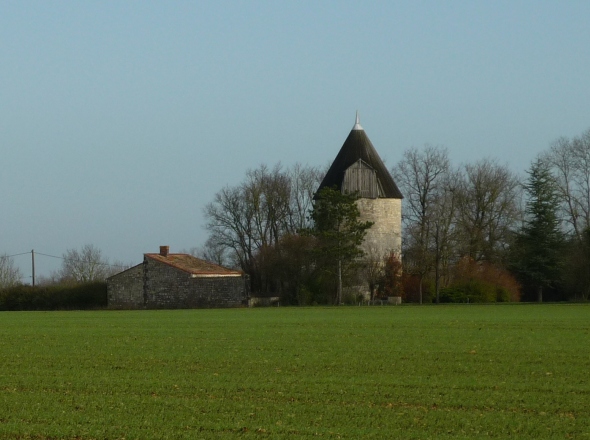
<point x="537" y="253"/>
<point x="339" y="231"/>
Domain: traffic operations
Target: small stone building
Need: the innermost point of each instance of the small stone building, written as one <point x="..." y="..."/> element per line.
<point x="174" y="281"/>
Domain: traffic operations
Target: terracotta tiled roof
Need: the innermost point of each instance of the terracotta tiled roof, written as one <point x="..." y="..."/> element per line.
<point x="193" y="265"/>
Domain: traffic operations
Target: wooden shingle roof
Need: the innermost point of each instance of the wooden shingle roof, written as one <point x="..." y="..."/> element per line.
<point x="357" y="146"/>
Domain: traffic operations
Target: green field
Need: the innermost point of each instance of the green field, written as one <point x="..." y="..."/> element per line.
<point x="520" y="371"/>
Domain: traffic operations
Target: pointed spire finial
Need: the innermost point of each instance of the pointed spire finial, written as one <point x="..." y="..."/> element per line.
<point x="357" y="124"/>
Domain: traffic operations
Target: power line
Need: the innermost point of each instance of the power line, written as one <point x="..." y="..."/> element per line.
<point x="67" y="259"/>
<point x="16" y="255"/>
<point x="52" y="256"/>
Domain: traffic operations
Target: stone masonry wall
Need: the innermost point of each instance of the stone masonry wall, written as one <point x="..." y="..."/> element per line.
<point x="169" y="288"/>
<point x="385" y="235"/>
<point x="125" y="290"/>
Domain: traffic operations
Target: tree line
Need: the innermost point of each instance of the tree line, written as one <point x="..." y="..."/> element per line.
<point x="471" y="232"/>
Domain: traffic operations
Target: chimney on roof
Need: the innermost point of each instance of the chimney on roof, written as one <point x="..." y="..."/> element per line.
<point x="164" y="250"/>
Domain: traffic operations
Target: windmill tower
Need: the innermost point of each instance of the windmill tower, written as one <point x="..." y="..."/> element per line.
<point x="358" y="168"/>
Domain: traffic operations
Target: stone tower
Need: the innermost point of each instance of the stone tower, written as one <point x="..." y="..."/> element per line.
<point x="358" y="168"/>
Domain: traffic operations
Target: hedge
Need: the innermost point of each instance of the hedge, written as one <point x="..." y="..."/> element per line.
<point x="55" y="297"/>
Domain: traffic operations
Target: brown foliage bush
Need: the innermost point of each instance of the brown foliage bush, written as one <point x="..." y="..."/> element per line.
<point x="411" y="288"/>
<point x="391" y="284"/>
<point x="486" y="281"/>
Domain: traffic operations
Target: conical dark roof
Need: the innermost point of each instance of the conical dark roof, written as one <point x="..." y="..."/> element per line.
<point x="358" y="146"/>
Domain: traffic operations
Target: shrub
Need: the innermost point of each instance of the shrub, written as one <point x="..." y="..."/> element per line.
<point x="472" y="291"/>
<point x="454" y="294"/>
<point x="482" y="282"/>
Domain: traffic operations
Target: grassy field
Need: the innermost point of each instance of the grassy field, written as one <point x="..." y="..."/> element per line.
<point x="518" y="371"/>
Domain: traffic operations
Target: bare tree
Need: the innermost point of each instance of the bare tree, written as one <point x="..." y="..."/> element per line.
<point x="229" y="222"/>
<point x="249" y="219"/>
<point x="570" y="164"/>
<point x="271" y="193"/>
<point x="85" y="265"/>
<point x="422" y="176"/>
<point x="444" y="231"/>
<point x="304" y="181"/>
<point x="210" y="251"/>
<point x="10" y="275"/>
<point x="487" y="208"/>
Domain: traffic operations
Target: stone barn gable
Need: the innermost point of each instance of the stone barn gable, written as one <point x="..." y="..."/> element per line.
<point x="171" y="281"/>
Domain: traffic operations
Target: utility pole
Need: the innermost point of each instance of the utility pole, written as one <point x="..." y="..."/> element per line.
<point x="33" y="265"/>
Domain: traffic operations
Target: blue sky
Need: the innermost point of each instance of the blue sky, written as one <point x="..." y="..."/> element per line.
<point x="119" y="120"/>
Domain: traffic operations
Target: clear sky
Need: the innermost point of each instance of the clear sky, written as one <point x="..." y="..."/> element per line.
<point x="120" y="120"/>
